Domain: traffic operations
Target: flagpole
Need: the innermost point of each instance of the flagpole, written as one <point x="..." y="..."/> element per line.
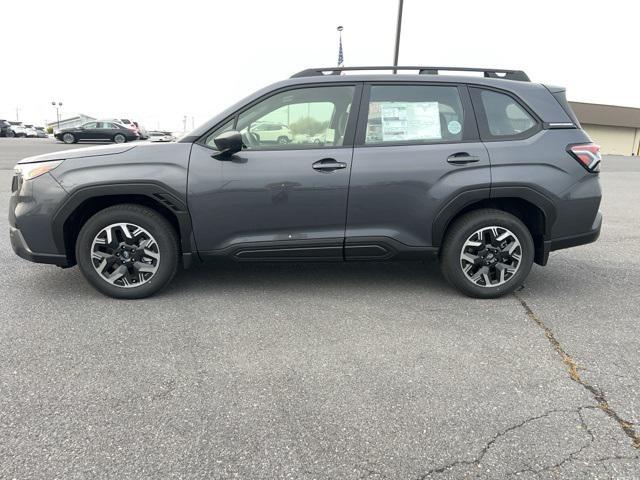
<point x="398" y="28"/>
<point x="340" y="55"/>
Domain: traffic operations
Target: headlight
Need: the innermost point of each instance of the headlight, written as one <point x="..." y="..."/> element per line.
<point x="33" y="170"/>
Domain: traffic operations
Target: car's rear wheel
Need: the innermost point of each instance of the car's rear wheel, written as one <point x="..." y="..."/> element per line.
<point x="11" y="133"/>
<point x="69" y="138"/>
<point x="119" y="138"/>
<point x="283" y="140"/>
<point x="487" y="253"/>
<point x="128" y="251"/>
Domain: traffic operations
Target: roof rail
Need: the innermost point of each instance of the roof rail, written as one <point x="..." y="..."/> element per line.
<point x="518" y="75"/>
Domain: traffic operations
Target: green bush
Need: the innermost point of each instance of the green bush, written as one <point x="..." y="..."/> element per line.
<point x="49" y="130"/>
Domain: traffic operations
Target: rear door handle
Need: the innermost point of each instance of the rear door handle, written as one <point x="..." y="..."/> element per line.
<point x="461" y="158"/>
<point x="328" y="165"/>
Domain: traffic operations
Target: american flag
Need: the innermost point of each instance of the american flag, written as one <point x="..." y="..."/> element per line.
<point x="340" y="54"/>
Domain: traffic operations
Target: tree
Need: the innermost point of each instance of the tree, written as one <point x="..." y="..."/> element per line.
<point x="308" y="126"/>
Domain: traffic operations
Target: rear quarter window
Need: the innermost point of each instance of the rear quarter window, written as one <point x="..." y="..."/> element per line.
<point x="502" y="117"/>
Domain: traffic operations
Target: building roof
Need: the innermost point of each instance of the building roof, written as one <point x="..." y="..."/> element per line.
<point x="611" y="115"/>
<point x="70" y="119"/>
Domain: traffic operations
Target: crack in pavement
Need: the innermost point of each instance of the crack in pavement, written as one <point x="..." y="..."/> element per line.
<point x="574" y="374"/>
<point x="571" y="455"/>
<point x="478" y="459"/>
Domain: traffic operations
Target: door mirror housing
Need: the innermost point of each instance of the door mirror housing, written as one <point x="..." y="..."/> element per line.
<point x="228" y="143"/>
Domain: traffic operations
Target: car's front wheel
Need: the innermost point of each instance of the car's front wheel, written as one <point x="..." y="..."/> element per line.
<point x="487" y="253"/>
<point x="128" y="251"/>
<point x="69" y="138"/>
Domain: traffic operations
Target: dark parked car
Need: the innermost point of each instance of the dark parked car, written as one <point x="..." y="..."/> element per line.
<point x="102" y="131"/>
<point x="5" y="129"/>
<point x="489" y="173"/>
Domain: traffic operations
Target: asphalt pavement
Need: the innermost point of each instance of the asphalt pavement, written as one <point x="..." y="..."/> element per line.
<point x="327" y="371"/>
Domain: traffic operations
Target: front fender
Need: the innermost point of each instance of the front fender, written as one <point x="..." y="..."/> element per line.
<point x="155" y="192"/>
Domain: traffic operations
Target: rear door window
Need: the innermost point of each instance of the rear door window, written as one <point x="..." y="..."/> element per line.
<point x="414" y="114"/>
<point x="504" y="118"/>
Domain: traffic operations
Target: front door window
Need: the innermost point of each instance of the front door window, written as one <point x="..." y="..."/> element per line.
<point x="298" y="119"/>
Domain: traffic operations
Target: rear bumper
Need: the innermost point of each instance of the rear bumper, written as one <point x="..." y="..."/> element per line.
<point x="21" y="249"/>
<point x="583" y="238"/>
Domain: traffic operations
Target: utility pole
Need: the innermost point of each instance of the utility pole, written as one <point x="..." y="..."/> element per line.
<point x="184" y="124"/>
<point x="17" y="114"/>
<point x="398" y="28"/>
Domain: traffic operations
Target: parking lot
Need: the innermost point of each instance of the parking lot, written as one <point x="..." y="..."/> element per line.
<point x="325" y="371"/>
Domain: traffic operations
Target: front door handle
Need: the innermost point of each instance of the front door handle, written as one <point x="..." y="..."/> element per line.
<point x="328" y="165"/>
<point x="461" y="158"/>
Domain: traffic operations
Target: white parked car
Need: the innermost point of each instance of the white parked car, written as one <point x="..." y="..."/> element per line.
<point x="157" y="136"/>
<point x="30" y="131"/>
<point x="272" y="132"/>
<point x="17" y="129"/>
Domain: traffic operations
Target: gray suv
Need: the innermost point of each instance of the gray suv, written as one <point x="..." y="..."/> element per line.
<point x="489" y="172"/>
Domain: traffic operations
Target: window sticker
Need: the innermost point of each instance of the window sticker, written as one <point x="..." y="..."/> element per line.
<point x="402" y="121"/>
<point x="454" y="127"/>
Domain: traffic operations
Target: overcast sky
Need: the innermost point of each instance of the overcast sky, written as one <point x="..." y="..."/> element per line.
<point x="157" y="61"/>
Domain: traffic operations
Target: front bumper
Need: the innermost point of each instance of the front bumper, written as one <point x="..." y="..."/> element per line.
<point x="21" y="249"/>
<point x="32" y="205"/>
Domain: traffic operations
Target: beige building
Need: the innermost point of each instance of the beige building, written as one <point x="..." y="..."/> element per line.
<point x="615" y="129"/>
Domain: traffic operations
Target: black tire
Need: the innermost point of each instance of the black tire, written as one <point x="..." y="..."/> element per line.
<point x="10" y="133"/>
<point x="158" y="226"/>
<point x="462" y="229"/>
<point x="283" y="140"/>
<point x="69" y="138"/>
<point x="119" y="138"/>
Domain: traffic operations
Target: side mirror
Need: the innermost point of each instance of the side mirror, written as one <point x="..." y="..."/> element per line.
<point x="228" y="143"/>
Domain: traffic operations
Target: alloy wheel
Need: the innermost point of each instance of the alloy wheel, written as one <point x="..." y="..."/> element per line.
<point x="491" y="256"/>
<point x="125" y="255"/>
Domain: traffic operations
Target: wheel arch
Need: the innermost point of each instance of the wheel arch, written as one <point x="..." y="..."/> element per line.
<point x="534" y="209"/>
<point x="87" y="201"/>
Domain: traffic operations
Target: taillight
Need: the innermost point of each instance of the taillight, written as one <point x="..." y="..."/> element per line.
<point x="587" y="154"/>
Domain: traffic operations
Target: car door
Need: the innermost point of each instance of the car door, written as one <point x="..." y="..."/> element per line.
<point x="103" y="131"/>
<point x="277" y="201"/>
<point x="89" y="131"/>
<point x="112" y="129"/>
<point x="417" y="151"/>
